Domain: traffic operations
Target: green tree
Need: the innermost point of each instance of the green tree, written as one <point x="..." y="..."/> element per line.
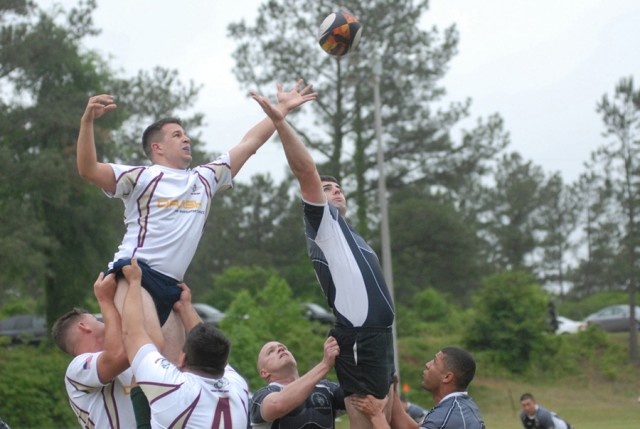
<point x="270" y="315"/>
<point x="510" y="218"/>
<point x="281" y="46"/>
<point x="235" y="279"/>
<point x="433" y="247"/>
<point x="559" y="219"/>
<point x="597" y="271"/>
<point x="509" y="319"/>
<point x="621" y="117"/>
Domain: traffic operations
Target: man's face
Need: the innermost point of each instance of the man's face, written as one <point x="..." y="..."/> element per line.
<point x="273" y="357"/>
<point x="434" y="373"/>
<point x="97" y="327"/>
<point x="528" y="406"/>
<point x="175" y="147"/>
<point x="334" y="194"/>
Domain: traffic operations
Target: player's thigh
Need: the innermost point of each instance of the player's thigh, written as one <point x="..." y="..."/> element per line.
<point x="148" y="306"/>
<point x="357" y="420"/>
<point x="174" y="337"/>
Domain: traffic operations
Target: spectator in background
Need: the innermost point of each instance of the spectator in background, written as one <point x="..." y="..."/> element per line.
<point x="533" y="416"/>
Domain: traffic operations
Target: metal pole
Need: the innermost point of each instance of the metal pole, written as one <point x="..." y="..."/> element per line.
<point x="382" y="199"/>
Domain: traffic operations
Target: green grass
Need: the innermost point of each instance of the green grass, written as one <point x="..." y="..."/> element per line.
<point x="595" y="405"/>
<point x="586" y="405"/>
<point x="588" y="398"/>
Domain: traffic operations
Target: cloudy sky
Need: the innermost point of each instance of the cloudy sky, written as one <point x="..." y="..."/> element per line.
<point x="541" y="64"/>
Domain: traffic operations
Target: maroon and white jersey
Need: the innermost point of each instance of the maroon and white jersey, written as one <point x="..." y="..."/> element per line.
<point x="98" y="405"/>
<point x="186" y="400"/>
<point x="166" y="210"/>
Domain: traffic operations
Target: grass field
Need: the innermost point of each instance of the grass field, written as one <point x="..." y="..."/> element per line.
<point x="600" y="405"/>
<point x="584" y="404"/>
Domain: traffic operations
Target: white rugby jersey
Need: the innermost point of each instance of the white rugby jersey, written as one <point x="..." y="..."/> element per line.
<point x="185" y="400"/>
<point x="98" y="405"/>
<point x="166" y="210"/>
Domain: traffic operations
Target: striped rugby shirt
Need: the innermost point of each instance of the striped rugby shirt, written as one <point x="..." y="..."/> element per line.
<point x="95" y="404"/>
<point x="456" y="410"/>
<point x="166" y="210"/>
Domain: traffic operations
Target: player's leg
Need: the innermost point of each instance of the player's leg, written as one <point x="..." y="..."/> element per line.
<point x="174" y="337"/>
<point x="362" y="421"/>
<point x="151" y="322"/>
<point x="357" y="420"/>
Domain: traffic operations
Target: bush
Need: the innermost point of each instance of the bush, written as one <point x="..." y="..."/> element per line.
<point x="273" y="315"/>
<point x="509" y="320"/>
<point x="32" y="388"/>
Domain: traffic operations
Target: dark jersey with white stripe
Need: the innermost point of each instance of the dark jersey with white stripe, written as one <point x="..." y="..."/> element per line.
<point x="318" y="411"/>
<point x="348" y="270"/>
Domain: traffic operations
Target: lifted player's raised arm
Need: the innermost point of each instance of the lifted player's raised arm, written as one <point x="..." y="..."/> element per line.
<point x="260" y="133"/>
<point x="89" y="168"/>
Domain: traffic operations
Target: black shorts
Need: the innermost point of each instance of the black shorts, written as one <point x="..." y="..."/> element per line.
<point x="163" y="289"/>
<point x="365" y="364"/>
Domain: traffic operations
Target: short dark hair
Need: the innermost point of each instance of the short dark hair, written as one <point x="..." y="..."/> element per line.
<point x="526" y="396"/>
<point x="462" y="364"/>
<point x="207" y="349"/>
<point x="60" y="329"/>
<point x="153" y="131"/>
<point x="325" y="178"/>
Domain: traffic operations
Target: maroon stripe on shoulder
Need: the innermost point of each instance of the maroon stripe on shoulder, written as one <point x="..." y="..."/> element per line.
<point x="140" y="170"/>
<point x="144" y="208"/>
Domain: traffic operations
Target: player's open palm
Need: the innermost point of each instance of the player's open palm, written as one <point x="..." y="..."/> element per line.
<point x="287" y="101"/>
<point x="97" y="106"/>
<point x="104" y="288"/>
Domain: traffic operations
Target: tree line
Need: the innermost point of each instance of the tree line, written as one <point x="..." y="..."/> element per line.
<point x="462" y="207"/>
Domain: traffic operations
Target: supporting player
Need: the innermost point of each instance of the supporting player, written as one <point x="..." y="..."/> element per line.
<point x="447" y="377"/>
<point x="97" y="379"/>
<point x="167" y="204"/>
<point x="293" y="402"/>
<point x="202" y="390"/>
<point x="349" y="274"/>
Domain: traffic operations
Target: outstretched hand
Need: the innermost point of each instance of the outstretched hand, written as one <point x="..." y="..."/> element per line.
<point x="97" y="106"/>
<point x="287" y="101"/>
<point x="275" y="114"/>
<point x="104" y="288"/>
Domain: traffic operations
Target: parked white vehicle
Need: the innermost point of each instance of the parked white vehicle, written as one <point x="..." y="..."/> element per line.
<point x="568" y="326"/>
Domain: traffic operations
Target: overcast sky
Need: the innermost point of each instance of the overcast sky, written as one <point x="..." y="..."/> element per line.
<point x="541" y="64"/>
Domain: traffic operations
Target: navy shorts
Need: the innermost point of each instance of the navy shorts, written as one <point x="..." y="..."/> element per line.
<point x="365" y="365"/>
<point x="163" y="289"/>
